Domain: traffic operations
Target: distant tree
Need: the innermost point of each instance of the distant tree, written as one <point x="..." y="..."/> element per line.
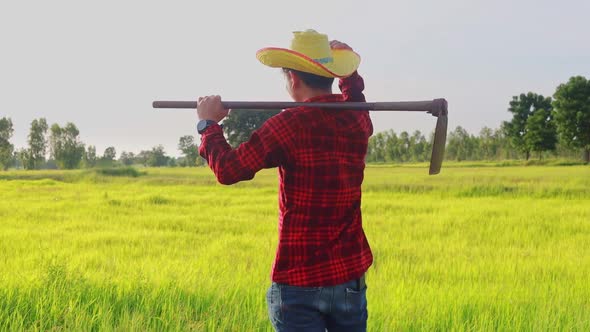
<point x="419" y="147"/>
<point x="487" y="143"/>
<point x="15" y="160"/>
<point x="90" y="156"/>
<point x="522" y="107"/>
<point x="403" y="146"/>
<point x="24" y="156"/>
<point x="460" y="145"/>
<point x="572" y="113"/>
<point x="390" y="147"/>
<point x="240" y="124"/>
<point x="540" y="132"/>
<point x="65" y="146"/>
<point x="126" y="158"/>
<point x="110" y="154"/>
<point x="6" y="148"/>
<point x="507" y="150"/>
<point x="157" y="157"/>
<point x="376" y="148"/>
<point x="189" y="149"/>
<point x="37" y="150"/>
<point x="142" y="157"/>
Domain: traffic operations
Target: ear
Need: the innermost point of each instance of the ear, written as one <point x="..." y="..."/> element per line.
<point x="294" y="80"/>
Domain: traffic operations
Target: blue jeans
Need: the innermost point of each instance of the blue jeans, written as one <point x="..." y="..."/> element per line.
<point x="337" y="308"/>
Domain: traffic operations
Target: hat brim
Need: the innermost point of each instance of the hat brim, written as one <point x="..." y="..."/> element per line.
<point x="345" y="62"/>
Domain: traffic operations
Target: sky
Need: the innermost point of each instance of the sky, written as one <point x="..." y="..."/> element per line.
<point x="100" y="64"/>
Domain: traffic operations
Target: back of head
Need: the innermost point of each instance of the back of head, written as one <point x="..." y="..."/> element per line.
<point x="312" y="81"/>
<point x="302" y="86"/>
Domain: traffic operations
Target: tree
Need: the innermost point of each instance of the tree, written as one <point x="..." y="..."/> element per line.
<point x="127" y="158"/>
<point x="419" y="147"/>
<point x="461" y="145"/>
<point x="109" y="154"/>
<point x="187" y="146"/>
<point x="376" y="148"/>
<point x="390" y="147"/>
<point x="572" y="113"/>
<point x="157" y="157"/>
<point x="506" y="149"/>
<point x="540" y="132"/>
<point x="487" y="143"/>
<point x="24" y="157"/>
<point x="6" y="148"/>
<point x="522" y="107"/>
<point x="65" y="146"/>
<point x="239" y="124"/>
<point x="90" y="156"/>
<point x="142" y="157"/>
<point x="35" y="155"/>
<point x="15" y="160"/>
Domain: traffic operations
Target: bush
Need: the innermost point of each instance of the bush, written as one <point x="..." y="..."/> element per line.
<point x="122" y="171"/>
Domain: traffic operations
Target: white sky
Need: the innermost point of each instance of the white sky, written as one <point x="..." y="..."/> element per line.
<point x="100" y="64"/>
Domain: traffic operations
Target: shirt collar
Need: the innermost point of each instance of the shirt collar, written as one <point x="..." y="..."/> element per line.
<point x="325" y="98"/>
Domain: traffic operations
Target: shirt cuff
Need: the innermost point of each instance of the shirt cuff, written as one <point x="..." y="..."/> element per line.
<point x="209" y="136"/>
<point x="212" y="129"/>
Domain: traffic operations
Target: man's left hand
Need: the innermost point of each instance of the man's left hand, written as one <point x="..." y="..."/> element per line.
<point x="210" y="108"/>
<point x="336" y="44"/>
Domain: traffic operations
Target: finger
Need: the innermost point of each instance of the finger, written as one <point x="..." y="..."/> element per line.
<point x="217" y="99"/>
<point x="340" y="46"/>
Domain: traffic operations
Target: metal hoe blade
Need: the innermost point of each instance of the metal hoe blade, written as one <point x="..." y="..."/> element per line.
<point x="438" y="146"/>
<point x="436" y="107"/>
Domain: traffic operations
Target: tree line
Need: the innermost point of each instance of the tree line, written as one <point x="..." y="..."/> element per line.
<point x="67" y="151"/>
<point x="543" y="126"/>
<point x="58" y="147"/>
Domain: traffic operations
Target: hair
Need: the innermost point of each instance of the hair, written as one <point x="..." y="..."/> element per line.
<point x="311" y="80"/>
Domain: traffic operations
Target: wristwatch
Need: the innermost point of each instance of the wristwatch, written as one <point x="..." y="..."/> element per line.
<point x="203" y="125"/>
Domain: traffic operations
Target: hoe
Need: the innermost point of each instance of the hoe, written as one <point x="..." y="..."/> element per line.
<point x="436" y="107"/>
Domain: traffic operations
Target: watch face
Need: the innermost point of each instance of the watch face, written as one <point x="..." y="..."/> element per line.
<point x="201" y="125"/>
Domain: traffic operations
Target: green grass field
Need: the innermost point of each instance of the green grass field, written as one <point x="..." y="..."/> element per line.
<point x="475" y="248"/>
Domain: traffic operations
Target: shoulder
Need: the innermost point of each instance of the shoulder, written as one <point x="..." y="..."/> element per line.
<point x="283" y="126"/>
<point x="287" y="118"/>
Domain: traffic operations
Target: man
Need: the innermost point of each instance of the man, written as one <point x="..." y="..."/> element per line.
<point x="323" y="254"/>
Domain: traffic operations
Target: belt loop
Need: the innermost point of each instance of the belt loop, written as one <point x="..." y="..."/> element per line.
<point x="360" y="283"/>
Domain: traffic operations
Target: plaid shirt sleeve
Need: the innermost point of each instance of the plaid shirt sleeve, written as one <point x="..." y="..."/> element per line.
<point x="268" y="147"/>
<point x="352" y="88"/>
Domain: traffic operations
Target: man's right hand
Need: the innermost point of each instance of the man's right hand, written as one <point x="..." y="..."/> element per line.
<point x="211" y="108"/>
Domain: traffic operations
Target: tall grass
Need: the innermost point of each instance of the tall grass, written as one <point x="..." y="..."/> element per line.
<point x="476" y="248"/>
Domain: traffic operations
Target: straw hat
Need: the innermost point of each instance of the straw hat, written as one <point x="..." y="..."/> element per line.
<point x="311" y="53"/>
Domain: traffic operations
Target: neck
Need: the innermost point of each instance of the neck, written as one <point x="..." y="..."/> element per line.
<point x="314" y="93"/>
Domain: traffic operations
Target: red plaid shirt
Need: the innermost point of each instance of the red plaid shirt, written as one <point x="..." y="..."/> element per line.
<point x="321" y="159"/>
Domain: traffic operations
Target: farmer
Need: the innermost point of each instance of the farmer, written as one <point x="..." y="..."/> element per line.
<point x="317" y="277"/>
